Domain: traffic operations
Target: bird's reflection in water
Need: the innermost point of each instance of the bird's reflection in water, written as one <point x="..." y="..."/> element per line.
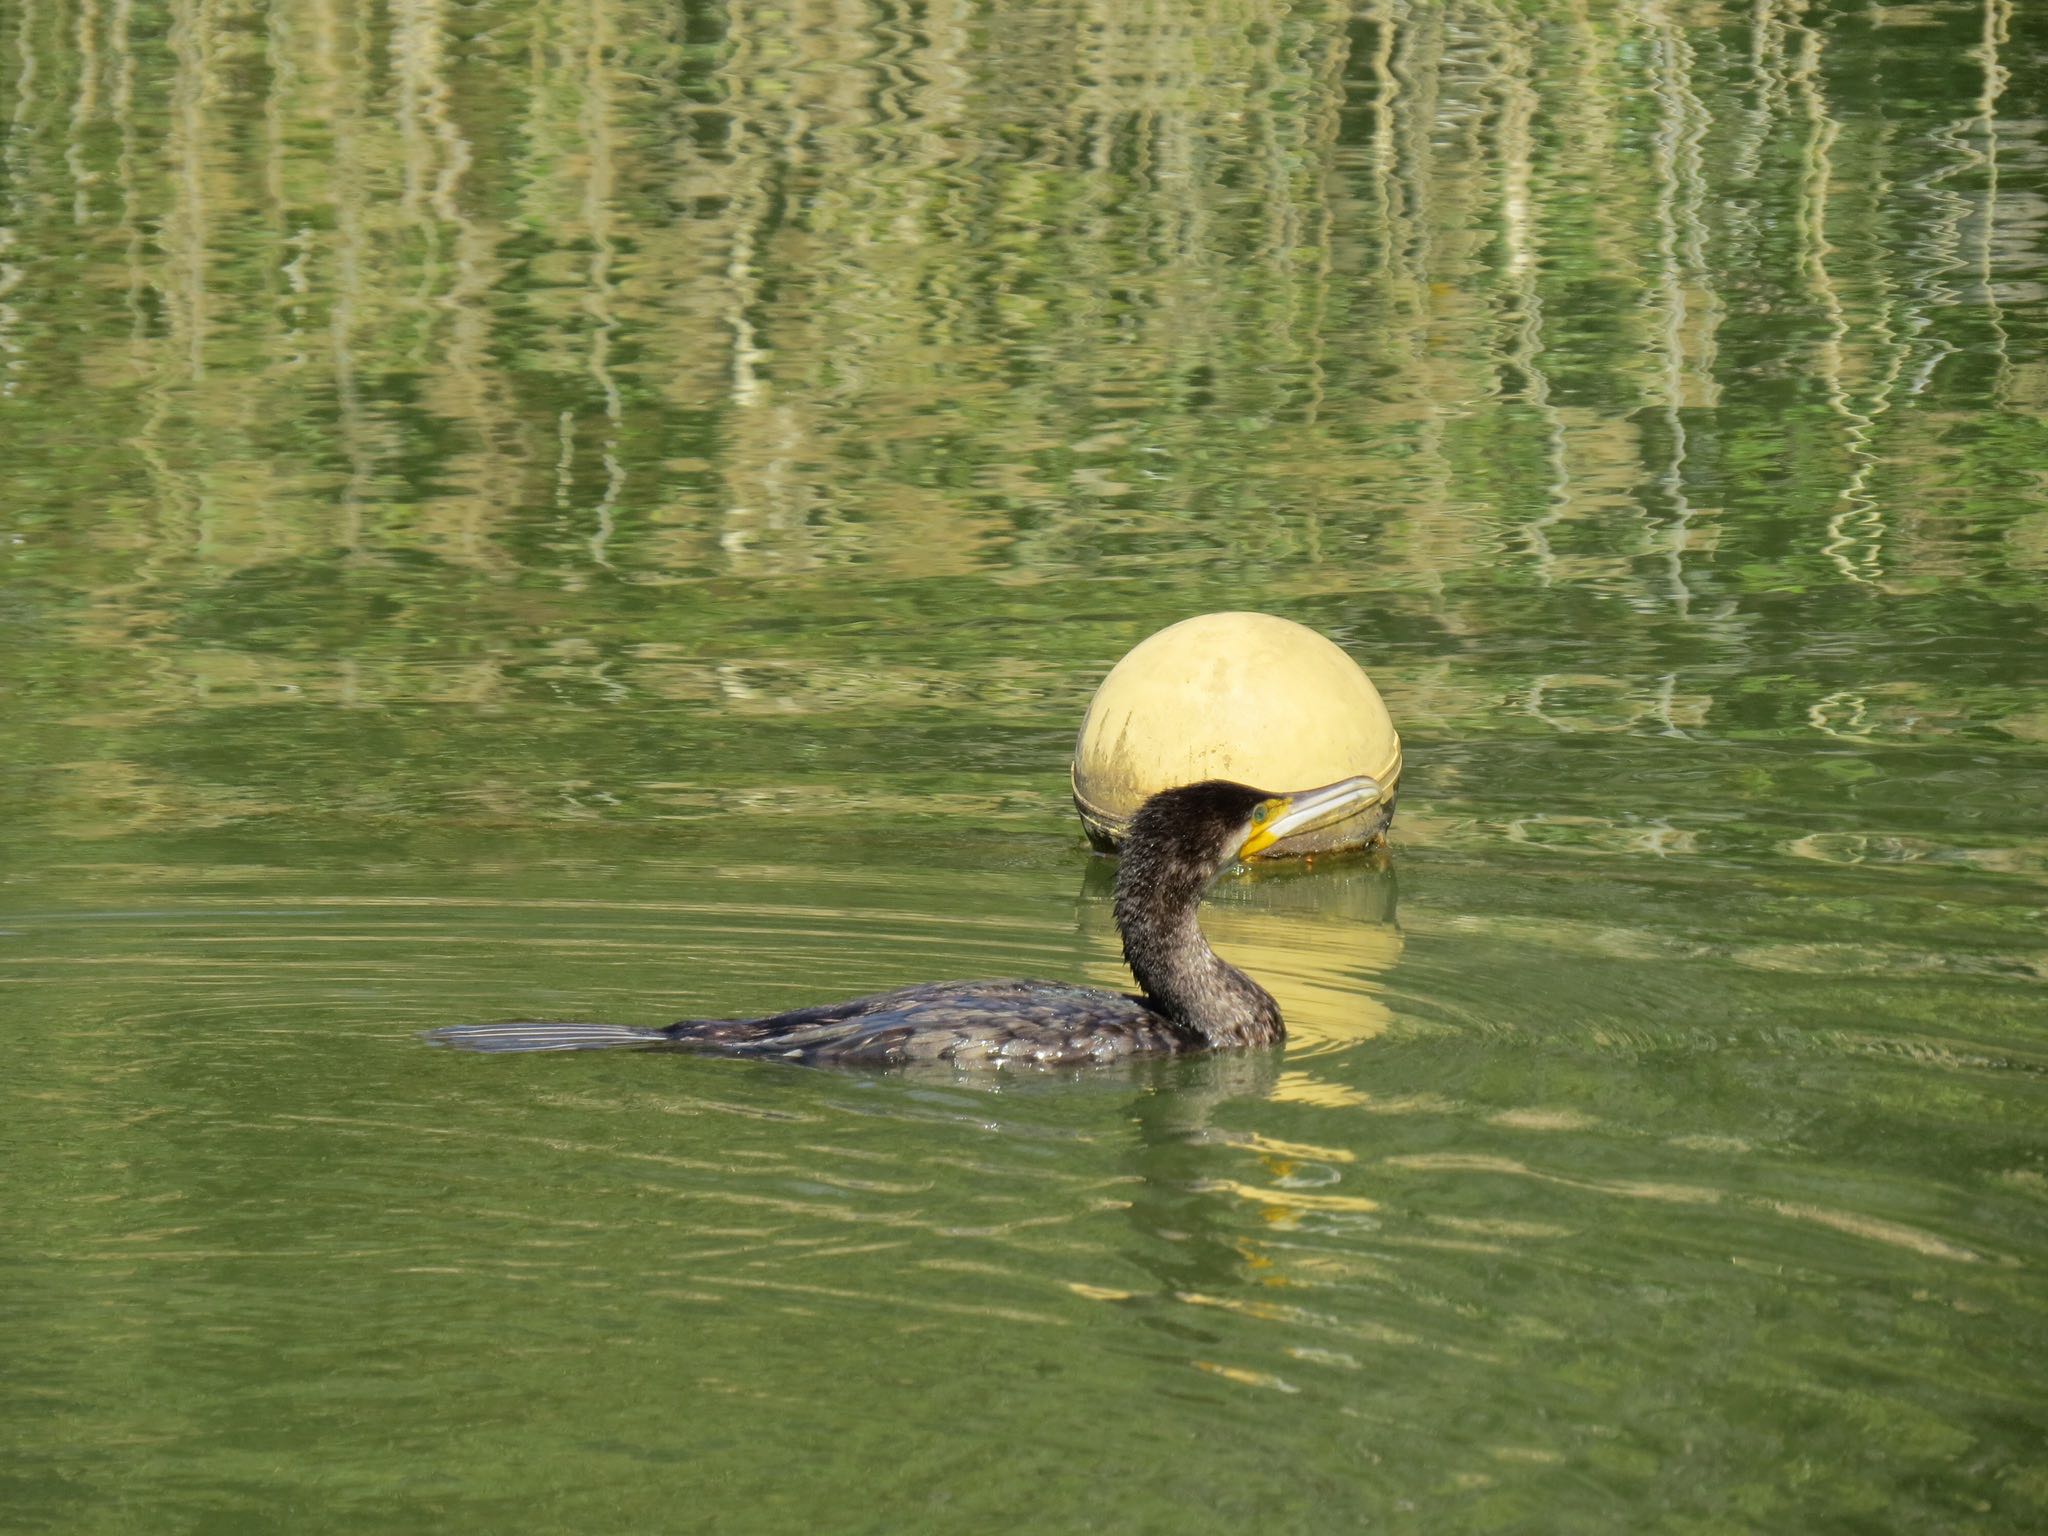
<point x="1208" y="1190"/>
<point x="1188" y="1232"/>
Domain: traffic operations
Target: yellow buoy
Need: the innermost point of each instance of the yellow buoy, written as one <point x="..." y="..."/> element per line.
<point x="1242" y="696"/>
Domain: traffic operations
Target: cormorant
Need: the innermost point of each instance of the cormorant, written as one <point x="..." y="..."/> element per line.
<point x="1190" y="1000"/>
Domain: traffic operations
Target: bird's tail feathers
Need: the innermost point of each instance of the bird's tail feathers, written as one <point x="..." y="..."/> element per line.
<point x="517" y="1035"/>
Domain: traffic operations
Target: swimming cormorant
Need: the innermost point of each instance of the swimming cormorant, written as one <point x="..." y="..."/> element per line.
<point x="1190" y="1000"/>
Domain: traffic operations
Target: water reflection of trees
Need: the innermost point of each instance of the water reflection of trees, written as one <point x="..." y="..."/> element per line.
<point x="1490" y="302"/>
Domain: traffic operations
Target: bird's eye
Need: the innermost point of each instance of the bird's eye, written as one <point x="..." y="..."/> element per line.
<point x="1259" y="815"/>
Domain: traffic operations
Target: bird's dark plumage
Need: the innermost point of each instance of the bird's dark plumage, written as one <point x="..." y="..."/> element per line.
<point x="1190" y="999"/>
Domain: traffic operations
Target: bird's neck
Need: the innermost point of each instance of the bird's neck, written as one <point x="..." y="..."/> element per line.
<point x="1179" y="973"/>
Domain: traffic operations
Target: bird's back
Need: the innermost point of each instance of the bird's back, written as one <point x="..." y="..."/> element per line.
<point x="1042" y="1023"/>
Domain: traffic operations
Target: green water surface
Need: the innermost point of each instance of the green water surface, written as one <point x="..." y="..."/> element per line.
<point x="602" y="508"/>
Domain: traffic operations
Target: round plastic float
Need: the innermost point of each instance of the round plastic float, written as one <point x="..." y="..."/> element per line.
<point x="1242" y="696"/>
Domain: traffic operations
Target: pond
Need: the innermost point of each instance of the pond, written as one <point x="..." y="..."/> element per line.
<point x="615" y="510"/>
